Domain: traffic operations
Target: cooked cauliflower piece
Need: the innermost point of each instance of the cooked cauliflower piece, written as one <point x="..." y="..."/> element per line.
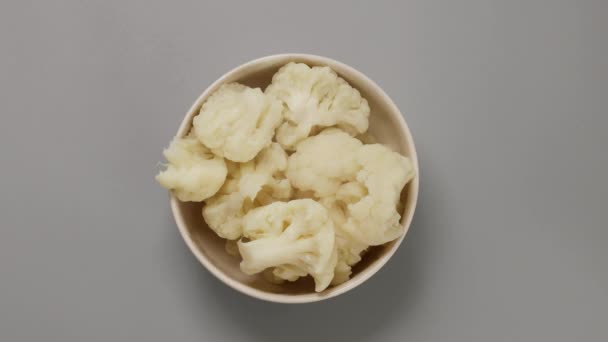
<point x="296" y="237"/>
<point x="349" y="249"/>
<point x="289" y="272"/>
<point x="193" y="172"/>
<point x="236" y="122"/>
<point x="224" y="212"/>
<point x="255" y="183"/>
<point x="349" y="254"/>
<point x="313" y="98"/>
<point x="374" y="219"/>
<point x="266" y="173"/>
<point x="323" y="162"/>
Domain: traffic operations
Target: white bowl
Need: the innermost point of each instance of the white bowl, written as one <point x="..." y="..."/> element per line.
<point x="386" y="125"/>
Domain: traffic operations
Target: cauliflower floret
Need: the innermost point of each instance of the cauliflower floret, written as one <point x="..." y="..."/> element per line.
<point x="374" y="219"/>
<point x="323" y="162"/>
<point x="236" y="122"/>
<point x="266" y="173"/>
<point x="296" y="237"/>
<point x="289" y="272"/>
<point x="224" y="212"/>
<point x="193" y="173"/>
<point x="316" y="97"/>
<point x="258" y="182"/>
<point x="349" y="249"/>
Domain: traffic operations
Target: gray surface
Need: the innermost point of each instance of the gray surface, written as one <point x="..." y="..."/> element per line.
<point x="508" y="102"/>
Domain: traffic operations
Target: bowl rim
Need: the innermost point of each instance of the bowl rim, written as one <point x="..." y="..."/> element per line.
<point x="367" y="272"/>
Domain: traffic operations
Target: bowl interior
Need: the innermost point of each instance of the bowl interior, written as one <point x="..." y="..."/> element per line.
<point x="386" y="125"/>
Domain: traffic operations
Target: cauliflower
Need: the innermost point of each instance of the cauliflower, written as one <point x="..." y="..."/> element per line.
<point x="279" y="275"/>
<point x="258" y="182"/>
<point x="314" y="212"/>
<point x="323" y="162"/>
<point x="349" y="249"/>
<point x="236" y="122"/>
<point x="316" y="97"/>
<point x="266" y="173"/>
<point x="296" y="237"/>
<point x="223" y="214"/>
<point x="374" y="219"/>
<point x="193" y="172"/>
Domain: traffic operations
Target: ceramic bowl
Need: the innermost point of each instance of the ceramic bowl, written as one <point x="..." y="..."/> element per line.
<point x="387" y="125"/>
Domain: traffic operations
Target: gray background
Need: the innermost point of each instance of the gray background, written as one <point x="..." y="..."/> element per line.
<point x="507" y="101"/>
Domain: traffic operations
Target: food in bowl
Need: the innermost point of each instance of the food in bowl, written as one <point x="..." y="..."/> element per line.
<point x="290" y="176"/>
